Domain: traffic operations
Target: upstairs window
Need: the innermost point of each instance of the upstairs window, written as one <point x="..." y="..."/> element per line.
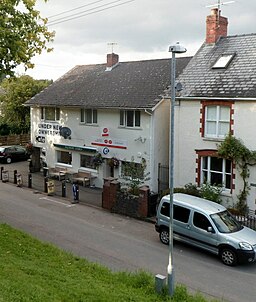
<point x="50" y="113"/>
<point x="217" y="121"/>
<point x="130" y="118"/>
<point x="89" y="116"/>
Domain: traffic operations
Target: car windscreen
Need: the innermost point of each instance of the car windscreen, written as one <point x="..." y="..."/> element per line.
<point x="225" y="222"/>
<point x="2" y="149"/>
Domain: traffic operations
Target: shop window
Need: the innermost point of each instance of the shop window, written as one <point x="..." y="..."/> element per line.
<point x="64" y="157"/>
<point x="86" y="161"/>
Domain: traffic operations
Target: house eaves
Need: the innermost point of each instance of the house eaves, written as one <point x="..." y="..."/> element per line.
<point x="216" y="99"/>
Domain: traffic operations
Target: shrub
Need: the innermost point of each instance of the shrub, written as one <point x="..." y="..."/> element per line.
<point x="210" y="192"/>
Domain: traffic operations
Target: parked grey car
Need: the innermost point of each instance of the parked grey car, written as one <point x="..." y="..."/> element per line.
<point x="207" y="225"/>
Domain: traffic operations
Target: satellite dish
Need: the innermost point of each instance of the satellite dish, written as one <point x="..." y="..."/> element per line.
<point x="65" y="132"/>
<point x="178" y="86"/>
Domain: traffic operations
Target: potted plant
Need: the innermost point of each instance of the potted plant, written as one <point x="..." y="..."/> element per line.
<point x="97" y="160"/>
<point x="113" y="162"/>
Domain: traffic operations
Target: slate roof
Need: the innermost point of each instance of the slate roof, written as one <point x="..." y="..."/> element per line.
<point x="135" y="84"/>
<point x="238" y="80"/>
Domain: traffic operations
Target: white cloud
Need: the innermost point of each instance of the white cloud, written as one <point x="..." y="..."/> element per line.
<point x="142" y="29"/>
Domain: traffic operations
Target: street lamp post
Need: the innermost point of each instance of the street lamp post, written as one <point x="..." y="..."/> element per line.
<point x="177" y="48"/>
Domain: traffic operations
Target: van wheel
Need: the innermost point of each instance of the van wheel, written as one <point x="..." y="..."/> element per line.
<point x="228" y="256"/>
<point x="164" y="236"/>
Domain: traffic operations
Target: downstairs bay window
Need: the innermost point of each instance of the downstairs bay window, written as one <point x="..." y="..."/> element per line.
<point x="216" y="171"/>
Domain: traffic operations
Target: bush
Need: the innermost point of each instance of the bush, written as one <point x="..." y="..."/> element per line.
<point x="210" y="192"/>
<point x="205" y="191"/>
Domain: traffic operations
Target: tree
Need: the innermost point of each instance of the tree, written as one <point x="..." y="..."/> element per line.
<point x="134" y="175"/>
<point x="16" y="92"/>
<point x="23" y="34"/>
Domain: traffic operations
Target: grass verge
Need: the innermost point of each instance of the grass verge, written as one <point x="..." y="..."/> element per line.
<point x="31" y="270"/>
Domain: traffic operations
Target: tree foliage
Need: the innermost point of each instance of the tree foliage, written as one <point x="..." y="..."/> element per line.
<point x="15" y="92"/>
<point x="134" y="175"/>
<point x="23" y="33"/>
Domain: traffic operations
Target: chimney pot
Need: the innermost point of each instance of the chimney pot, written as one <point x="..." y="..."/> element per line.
<point x="112" y="60"/>
<point x="216" y="26"/>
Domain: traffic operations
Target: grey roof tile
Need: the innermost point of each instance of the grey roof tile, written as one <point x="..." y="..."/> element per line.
<point x="237" y="80"/>
<point x="136" y="84"/>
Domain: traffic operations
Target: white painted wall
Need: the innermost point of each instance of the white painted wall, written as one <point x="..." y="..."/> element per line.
<point x="188" y="139"/>
<point x="160" y="140"/>
<point x="139" y="143"/>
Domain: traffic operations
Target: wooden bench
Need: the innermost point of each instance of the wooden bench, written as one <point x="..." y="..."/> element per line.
<point x="59" y="172"/>
<point x="82" y="177"/>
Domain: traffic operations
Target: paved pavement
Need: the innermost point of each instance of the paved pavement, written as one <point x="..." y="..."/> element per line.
<point x="90" y="196"/>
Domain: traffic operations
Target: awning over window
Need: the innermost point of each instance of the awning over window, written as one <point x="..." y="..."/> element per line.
<point x="76" y="148"/>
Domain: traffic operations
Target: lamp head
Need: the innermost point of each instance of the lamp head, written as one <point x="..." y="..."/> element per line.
<point x="177" y="48"/>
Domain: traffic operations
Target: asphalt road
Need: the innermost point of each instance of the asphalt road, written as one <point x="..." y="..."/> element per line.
<point x="121" y="243"/>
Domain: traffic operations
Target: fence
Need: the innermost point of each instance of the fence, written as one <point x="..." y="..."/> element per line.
<point x="163" y="179"/>
<point x="248" y="219"/>
<point x="15" y="139"/>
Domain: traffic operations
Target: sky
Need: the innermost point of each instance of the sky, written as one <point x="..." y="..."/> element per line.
<point x="86" y="30"/>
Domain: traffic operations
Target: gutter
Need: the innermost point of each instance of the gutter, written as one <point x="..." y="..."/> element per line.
<point x="216" y="98"/>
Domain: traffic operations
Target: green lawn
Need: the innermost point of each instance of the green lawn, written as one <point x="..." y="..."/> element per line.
<point x="34" y="271"/>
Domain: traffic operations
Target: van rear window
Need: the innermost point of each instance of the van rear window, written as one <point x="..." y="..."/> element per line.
<point x="179" y="213"/>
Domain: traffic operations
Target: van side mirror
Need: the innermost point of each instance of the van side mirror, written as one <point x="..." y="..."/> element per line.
<point x="210" y="230"/>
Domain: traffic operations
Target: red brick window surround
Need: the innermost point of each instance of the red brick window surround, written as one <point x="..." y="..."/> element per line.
<point x="216" y="119"/>
<point x="214" y="170"/>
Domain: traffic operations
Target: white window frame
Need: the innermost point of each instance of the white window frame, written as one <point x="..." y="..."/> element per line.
<point x="84" y="113"/>
<point x="216" y="120"/>
<point x="66" y="155"/>
<point x="90" y="165"/>
<point x="123" y="122"/>
<point x="209" y="172"/>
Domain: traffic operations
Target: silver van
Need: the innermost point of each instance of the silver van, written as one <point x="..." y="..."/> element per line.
<point x="207" y="225"/>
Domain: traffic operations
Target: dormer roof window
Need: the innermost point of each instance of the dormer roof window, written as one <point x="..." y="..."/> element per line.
<point x="223" y="61"/>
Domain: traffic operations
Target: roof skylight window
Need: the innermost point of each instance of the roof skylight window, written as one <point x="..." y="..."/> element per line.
<point x="223" y="61"/>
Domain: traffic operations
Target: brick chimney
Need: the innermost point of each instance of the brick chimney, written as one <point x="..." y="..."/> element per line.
<point x="112" y="61"/>
<point x="216" y="26"/>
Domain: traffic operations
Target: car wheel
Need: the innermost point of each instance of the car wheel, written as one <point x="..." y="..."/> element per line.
<point x="164" y="236"/>
<point x="228" y="256"/>
<point x="8" y="160"/>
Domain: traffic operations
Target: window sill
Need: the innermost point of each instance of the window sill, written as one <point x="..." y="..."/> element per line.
<point x="85" y="124"/>
<point x="226" y="193"/>
<point x="84" y="169"/>
<point x="63" y="165"/>
<point x="214" y="139"/>
<point x="130" y="128"/>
